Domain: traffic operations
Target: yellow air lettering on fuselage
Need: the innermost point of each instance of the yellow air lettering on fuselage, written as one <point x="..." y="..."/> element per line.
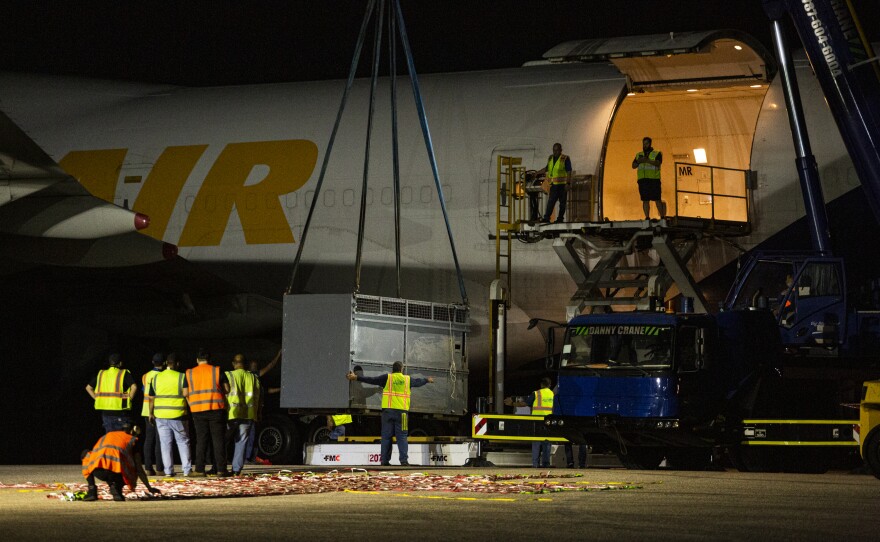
<point x="98" y="171"/>
<point x="290" y="163"/>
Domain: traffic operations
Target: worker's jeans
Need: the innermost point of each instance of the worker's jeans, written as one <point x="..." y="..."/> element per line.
<point x="171" y="431"/>
<point x="240" y="430"/>
<point x="395" y="423"/>
<point x="336" y="432"/>
<point x="540" y="454"/>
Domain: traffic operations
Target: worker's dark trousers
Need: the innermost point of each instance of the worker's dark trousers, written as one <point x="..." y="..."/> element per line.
<point x="152" y="446"/>
<point x="395" y="423"/>
<point x="569" y="455"/>
<point x="113" y="479"/>
<point x="210" y="424"/>
<point x="557" y="193"/>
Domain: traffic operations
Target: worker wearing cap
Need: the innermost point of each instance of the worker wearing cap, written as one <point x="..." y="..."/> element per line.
<point x="113" y="390"/>
<point x="152" y="446"/>
<point x="168" y="412"/>
<point x="243" y="394"/>
<point x="558" y="172"/>
<point x="206" y="384"/>
<point x="114" y="460"/>
<point x="541" y="402"/>
<point x="396" y="392"/>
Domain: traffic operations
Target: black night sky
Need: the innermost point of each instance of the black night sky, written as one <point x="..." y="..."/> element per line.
<point x="220" y="42"/>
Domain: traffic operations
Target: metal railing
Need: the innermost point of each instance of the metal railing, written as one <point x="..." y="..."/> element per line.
<point x="711" y="192"/>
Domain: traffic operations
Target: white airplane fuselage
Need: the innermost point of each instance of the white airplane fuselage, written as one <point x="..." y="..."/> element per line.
<point x="228" y="174"/>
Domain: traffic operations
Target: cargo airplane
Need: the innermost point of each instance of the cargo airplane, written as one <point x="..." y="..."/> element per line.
<point x="226" y="176"/>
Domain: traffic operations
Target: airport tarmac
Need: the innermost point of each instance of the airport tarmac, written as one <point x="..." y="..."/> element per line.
<point x="639" y="505"/>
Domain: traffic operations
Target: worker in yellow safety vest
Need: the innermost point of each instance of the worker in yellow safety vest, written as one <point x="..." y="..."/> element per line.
<point x="169" y="412"/>
<point x="558" y="173"/>
<point x="152" y="446"/>
<point x="396" y="393"/>
<point x="243" y="395"/>
<point x="113" y="390"/>
<point x="541" y="402"/>
<point x="336" y="424"/>
<point x="647" y="163"/>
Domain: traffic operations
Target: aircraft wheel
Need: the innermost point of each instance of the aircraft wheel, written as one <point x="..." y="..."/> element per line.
<point x="278" y="441"/>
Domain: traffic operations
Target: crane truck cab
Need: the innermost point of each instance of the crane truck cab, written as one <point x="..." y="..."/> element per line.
<point x="652" y="385"/>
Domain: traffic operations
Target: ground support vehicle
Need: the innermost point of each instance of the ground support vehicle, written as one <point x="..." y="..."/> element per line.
<point x="869" y="421"/>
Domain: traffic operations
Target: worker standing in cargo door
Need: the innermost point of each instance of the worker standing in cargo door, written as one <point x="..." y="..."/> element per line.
<point x="243" y="394"/>
<point x="558" y="172"/>
<point x="647" y="163"/>
<point x="395" y="408"/>
<point x="541" y="402"/>
<point x="113" y="390"/>
<point x="152" y="446"/>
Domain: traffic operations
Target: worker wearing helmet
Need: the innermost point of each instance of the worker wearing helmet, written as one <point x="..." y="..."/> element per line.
<point x="397" y="389"/>
<point x="113" y="390"/>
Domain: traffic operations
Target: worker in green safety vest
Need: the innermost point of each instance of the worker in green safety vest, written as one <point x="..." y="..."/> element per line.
<point x="336" y="424"/>
<point x="541" y="402"/>
<point x="647" y="163"/>
<point x="243" y="397"/>
<point x="396" y="393"/>
<point x="558" y="173"/>
<point x="113" y="390"/>
<point x="168" y="410"/>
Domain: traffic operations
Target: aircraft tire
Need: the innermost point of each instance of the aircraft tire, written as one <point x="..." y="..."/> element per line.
<point x="278" y="441"/>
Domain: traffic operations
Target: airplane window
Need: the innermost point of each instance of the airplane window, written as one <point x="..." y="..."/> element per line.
<point x="427" y="194"/>
<point x="406" y="195"/>
<point x="329" y="198"/>
<point x="290" y="200"/>
<point x="348" y="197"/>
<point x="251" y="201"/>
<point x="386" y="196"/>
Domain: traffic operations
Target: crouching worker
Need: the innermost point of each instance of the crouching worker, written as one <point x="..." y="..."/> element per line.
<point x="114" y="460"/>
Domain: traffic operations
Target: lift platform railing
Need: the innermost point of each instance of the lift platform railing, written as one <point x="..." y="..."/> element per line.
<point x="711" y="192"/>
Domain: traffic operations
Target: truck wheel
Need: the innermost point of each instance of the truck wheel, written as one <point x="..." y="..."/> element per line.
<point x="317" y="432"/>
<point x="872" y="452"/>
<point x="642" y="458"/>
<point x="278" y="441"/>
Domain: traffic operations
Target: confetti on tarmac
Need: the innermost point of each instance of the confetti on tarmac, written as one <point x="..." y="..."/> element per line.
<point x="354" y="481"/>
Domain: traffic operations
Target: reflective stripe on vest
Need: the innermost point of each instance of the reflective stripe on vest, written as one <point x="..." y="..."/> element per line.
<point x="341" y="419"/>
<point x="168" y="402"/>
<point x="147" y="380"/>
<point x="396" y="392"/>
<point x="205" y="392"/>
<point x="648" y="171"/>
<point x="244" y="389"/>
<point x="556" y="172"/>
<point x="543" y="404"/>
<point x="109" y="394"/>
<point x="114" y="452"/>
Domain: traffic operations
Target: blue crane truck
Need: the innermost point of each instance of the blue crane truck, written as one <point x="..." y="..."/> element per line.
<point x="774" y="378"/>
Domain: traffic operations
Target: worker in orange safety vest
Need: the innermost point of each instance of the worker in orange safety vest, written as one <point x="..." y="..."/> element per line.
<point x="113" y="459"/>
